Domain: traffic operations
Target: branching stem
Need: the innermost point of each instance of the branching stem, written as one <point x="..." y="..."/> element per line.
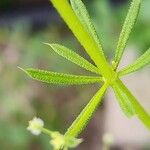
<point x="82" y="120"/>
<point x="86" y="40"/>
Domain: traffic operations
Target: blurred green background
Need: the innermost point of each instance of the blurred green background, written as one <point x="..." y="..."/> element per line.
<point x="24" y="25"/>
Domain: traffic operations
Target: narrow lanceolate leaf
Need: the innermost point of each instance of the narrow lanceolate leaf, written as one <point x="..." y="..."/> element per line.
<point x="82" y="14"/>
<point x="73" y="57"/>
<point x="87" y="41"/>
<point x="138" y="64"/>
<point x="126" y="30"/>
<point x="60" y="78"/>
<point x="82" y="120"/>
<point x="124" y="102"/>
<point x="137" y="108"/>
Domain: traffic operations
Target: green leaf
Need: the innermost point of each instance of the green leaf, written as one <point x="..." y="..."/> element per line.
<point x="82" y="14"/>
<point x="126" y="30"/>
<point x="138" y="109"/>
<point x="123" y="101"/>
<point x="84" y="117"/>
<point x="138" y="64"/>
<point x="73" y="57"/>
<point x="87" y="41"/>
<point x="60" y="78"/>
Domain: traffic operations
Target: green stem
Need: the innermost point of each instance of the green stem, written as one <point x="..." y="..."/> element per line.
<point x="82" y="120"/>
<point x="86" y="40"/>
<point x="46" y="131"/>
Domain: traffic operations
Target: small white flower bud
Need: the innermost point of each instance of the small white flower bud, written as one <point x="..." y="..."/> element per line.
<point x="57" y="141"/>
<point x="35" y="126"/>
<point x="60" y="141"/>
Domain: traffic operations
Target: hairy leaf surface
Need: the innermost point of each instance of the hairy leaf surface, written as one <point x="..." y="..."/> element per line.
<point x="82" y="120"/>
<point x="138" y="109"/>
<point x="123" y="101"/>
<point x="87" y="41"/>
<point x="138" y="64"/>
<point x="73" y="57"/>
<point x="126" y="30"/>
<point x="60" y="78"/>
<point x="83" y="15"/>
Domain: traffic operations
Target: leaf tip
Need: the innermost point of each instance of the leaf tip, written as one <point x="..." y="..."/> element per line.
<point x="52" y="45"/>
<point x="24" y="70"/>
<point x="20" y="68"/>
<point x="45" y="43"/>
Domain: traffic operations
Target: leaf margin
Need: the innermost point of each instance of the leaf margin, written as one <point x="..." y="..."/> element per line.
<point x="60" y="78"/>
<point x="126" y="31"/>
<point x="141" y="62"/>
<point x="73" y="57"/>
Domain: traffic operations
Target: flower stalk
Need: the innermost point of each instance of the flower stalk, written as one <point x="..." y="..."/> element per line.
<point x="58" y="141"/>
